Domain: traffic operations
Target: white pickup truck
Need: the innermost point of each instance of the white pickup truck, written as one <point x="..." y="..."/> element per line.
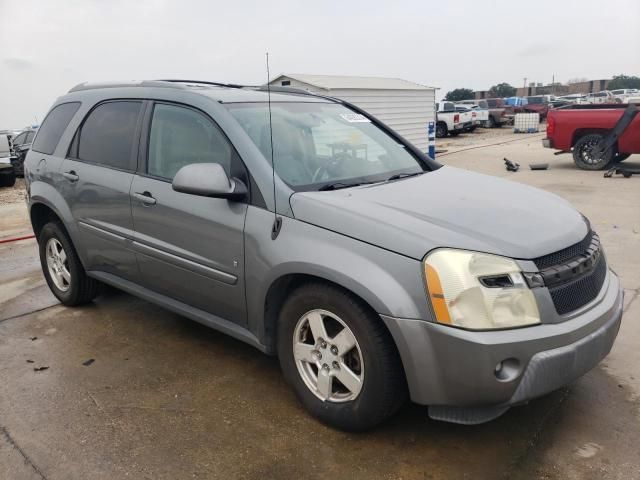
<point x="449" y="121"/>
<point x="480" y="116"/>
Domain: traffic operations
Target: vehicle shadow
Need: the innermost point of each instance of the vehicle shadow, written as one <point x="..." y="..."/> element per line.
<point x="249" y="391"/>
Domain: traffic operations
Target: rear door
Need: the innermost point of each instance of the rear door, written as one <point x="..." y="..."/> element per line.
<point x="189" y="247"/>
<point x="96" y="179"/>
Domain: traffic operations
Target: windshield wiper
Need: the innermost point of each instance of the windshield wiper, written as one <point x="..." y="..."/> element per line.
<point x="339" y="185"/>
<point x="398" y="176"/>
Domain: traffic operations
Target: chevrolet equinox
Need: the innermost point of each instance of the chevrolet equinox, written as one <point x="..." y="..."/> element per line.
<point x="305" y="227"/>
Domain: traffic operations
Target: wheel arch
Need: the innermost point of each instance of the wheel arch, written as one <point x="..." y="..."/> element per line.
<point x="41" y="214"/>
<point x="581" y="132"/>
<point x="282" y="286"/>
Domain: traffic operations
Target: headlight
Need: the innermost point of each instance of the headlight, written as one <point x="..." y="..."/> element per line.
<point x="478" y="291"/>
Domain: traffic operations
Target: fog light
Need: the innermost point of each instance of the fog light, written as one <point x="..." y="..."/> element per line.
<point x="507" y="370"/>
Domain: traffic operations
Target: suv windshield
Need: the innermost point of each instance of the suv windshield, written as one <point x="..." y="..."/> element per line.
<point x="321" y="144"/>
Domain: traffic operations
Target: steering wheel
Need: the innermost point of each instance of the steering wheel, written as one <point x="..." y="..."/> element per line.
<point x="331" y="166"/>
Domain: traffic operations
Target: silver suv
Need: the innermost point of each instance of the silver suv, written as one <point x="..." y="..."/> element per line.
<point x="308" y="229"/>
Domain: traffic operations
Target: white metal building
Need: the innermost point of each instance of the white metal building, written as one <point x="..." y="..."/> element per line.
<point x="405" y="106"/>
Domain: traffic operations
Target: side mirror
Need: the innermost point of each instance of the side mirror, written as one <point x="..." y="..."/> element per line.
<point x="208" y="180"/>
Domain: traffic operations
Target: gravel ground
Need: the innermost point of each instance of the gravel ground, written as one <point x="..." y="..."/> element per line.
<point x="13" y="194"/>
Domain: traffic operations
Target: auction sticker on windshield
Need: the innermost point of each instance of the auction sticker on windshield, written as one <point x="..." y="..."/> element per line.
<point x="355" y="118"/>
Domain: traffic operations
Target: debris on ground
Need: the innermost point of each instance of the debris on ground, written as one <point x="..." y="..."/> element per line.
<point x="40" y="369"/>
<point x="88" y="362"/>
<point x="626" y="172"/>
<point x="30" y="361"/>
<point x="510" y="166"/>
<point x="538" y="166"/>
<point x="33" y="338"/>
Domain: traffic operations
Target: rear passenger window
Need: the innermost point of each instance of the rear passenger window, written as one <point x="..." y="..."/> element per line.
<point x="181" y="136"/>
<point x="54" y="126"/>
<point x="107" y="135"/>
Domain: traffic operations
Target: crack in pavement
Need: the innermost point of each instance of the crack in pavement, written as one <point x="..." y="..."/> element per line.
<point x="634" y="297"/>
<point x="37" y="310"/>
<point x="27" y="459"/>
<point x="536" y="437"/>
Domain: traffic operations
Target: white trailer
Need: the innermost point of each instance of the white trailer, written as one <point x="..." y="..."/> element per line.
<point x="404" y="106"/>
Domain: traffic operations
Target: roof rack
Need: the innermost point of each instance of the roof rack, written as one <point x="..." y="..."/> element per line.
<point x="166" y="83"/>
<point x="279" y="89"/>
<point x="183" y="84"/>
<point x="202" y="82"/>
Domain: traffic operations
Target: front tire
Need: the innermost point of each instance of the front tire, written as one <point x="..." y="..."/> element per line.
<point x="62" y="268"/>
<point x="339" y="358"/>
<point x="583" y="153"/>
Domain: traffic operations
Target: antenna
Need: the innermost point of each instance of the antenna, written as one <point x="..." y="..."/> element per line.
<point x="277" y="221"/>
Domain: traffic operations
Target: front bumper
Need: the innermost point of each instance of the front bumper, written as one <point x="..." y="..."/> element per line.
<point x="454" y="371"/>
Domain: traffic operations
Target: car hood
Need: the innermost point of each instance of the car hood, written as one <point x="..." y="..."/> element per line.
<point x="448" y="207"/>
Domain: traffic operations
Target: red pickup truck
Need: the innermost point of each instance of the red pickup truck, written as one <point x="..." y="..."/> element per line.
<point x="582" y="129"/>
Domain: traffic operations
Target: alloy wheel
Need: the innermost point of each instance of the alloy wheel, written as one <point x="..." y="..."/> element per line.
<point x="328" y="356"/>
<point x="58" y="264"/>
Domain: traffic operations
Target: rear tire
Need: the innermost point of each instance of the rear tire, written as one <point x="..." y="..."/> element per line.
<point x="62" y="268"/>
<point x="492" y="122"/>
<point x="583" y="153"/>
<point x="314" y="318"/>
<point x="441" y="130"/>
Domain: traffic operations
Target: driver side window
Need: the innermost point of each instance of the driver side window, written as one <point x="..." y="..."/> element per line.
<point x="181" y="136"/>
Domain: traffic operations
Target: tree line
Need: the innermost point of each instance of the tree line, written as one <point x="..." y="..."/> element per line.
<point x="502" y="90"/>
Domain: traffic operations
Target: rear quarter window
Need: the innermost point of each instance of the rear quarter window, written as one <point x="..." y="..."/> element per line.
<point x="53" y="127"/>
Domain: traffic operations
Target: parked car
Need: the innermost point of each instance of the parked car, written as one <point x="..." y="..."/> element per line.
<point x="508" y="114"/>
<point x="308" y="229"/>
<point x="539" y="104"/>
<point x="632" y="100"/>
<point x="21" y="145"/>
<point x="623" y="93"/>
<point x="451" y="122"/>
<point x="604" y="96"/>
<point x="581" y="128"/>
<point x="572" y="98"/>
<point x="7" y="173"/>
<point x="495" y="117"/>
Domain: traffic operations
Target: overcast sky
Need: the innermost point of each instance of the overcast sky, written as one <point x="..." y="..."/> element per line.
<point x="48" y="46"/>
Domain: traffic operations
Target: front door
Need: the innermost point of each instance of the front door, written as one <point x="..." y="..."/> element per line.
<point x="189" y="248"/>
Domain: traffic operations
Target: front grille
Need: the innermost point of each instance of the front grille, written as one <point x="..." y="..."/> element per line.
<point x="574" y="294"/>
<point x="566" y="254"/>
<point x="574" y="275"/>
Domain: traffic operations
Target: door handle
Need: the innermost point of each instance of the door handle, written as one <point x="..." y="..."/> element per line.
<point x="145" y="198"/>
<point x="71" y="176"/>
